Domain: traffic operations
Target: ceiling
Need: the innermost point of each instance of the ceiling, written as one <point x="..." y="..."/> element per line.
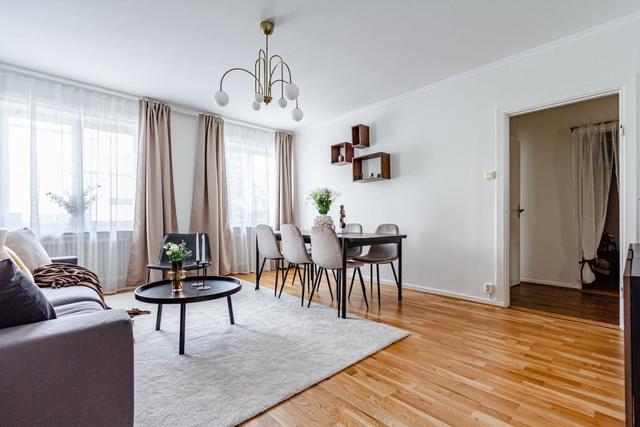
<point x="343" y="54"/>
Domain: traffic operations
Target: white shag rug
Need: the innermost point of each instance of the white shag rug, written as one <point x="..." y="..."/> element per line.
<point x="230" y="373"/>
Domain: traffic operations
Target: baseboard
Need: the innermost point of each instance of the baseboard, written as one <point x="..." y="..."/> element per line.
<point x="551" y="283"/>
<point x="440" y="292"/>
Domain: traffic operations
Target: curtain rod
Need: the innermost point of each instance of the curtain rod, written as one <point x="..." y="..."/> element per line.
<point x="175" y="107"/>
<point x="573" y="128"/>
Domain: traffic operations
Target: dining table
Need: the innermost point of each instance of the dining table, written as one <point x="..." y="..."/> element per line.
<point x="349" y="240"/>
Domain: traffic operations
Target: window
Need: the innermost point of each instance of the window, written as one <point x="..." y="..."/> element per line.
<point x="251" y="188"/>
<point x="68" y="168"/>
<point x="251" y="172"/>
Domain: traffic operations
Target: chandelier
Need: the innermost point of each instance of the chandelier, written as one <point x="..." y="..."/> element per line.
<point x="268" y="73"/>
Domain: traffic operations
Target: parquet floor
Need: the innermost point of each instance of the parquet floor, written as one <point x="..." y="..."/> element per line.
<point x="466" y="364"/>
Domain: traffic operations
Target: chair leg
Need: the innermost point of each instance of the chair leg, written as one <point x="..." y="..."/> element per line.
<point x="364" y="289"/>
<point x="394" y="274"/>
<point x="285" y="275"/>
<point x="371" y="280"/>
<point x="275" y="290"/>
<point x="295" y="271"/>
<point x="148" y="275"/>
<point x="352" y="277"/>
<point x="378" y="280"/>
<point x="260" y="272"/>
<point x="315" y="284"/>
<point x="326" y="274"/>
<point x="305" y="273"/>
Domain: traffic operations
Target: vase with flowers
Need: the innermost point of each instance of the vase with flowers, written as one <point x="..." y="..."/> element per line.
<point x="177" y="253"/>
<point x="322" y="198"/>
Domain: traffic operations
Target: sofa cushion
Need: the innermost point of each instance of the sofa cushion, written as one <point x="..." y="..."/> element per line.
<point x="25" y="244"/>
<point x="70" y="294"/>
<point x="16" y="259"/>
<point x="75" y="308"/>
<point x="21" y="301"/>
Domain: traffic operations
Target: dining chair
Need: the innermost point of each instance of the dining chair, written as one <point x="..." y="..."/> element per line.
<point x="268" y="247"/>
<point x="191" y="239"/>
<point x="295" y="253"/>
<point x="385" y="253"/>
<point x="327" y="255"/>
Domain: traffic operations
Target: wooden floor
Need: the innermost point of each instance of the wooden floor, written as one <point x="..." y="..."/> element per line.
<point x="466" y="363"/>
<point x="589" y="304"/>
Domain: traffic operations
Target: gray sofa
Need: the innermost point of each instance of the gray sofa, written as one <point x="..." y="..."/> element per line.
<point x="75" y="370"/>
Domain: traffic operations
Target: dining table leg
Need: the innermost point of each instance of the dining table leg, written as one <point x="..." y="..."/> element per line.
<point x="400" y="270"/>
<point x="342" y="305"/>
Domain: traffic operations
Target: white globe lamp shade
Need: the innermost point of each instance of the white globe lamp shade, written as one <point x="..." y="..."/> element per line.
<point x="255" y="105"/>
<point x="258" y="97"/>
<point x="221" y="98"/>
<point x="291" y="91"/>
<point x="297" y="114"/>
<point x="282" y="103"/>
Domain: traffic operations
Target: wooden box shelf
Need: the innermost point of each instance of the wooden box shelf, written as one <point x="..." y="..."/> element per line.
<point x="360" y="136"/>
<point x="344" y="148"/>
<point x="361" y="167"/>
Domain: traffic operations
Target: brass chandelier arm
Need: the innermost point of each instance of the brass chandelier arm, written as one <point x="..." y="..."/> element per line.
<point x="240" y="69"/>
<point x="280" y="63"/>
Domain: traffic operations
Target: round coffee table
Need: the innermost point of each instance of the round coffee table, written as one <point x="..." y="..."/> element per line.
<point x="209" y="288"/>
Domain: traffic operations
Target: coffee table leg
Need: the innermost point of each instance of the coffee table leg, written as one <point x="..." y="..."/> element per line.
<point x="230" y="310"/>
<point x="183" y="310"/>
<point x="159" y="317"/>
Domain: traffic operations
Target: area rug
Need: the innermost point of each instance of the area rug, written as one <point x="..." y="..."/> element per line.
<point x="230" y="373"/>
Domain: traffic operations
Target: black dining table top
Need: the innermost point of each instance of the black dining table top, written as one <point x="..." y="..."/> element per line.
<point x="356" y="235"/>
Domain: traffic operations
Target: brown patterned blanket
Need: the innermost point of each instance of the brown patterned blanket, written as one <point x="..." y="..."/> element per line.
<point x="59" y="275"/>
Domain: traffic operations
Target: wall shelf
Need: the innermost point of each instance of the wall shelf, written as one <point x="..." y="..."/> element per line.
<point x="344" y="148"/>
<point x="363" y="165"/>
<point x="360" y="136"/>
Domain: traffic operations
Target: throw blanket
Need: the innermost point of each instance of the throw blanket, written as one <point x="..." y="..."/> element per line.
<point x="59" y="275"/>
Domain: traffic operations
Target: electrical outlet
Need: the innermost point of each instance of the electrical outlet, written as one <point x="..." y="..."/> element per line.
<point x="490" y="288"/>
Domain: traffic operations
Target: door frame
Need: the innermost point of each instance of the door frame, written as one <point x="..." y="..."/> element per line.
<point x="626" y="89"/>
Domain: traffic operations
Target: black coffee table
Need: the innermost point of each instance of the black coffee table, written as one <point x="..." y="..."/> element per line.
<point x="161" y="293"/>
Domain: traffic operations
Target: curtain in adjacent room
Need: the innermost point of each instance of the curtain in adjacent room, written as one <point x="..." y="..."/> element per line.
<point x="284" y="180"/>
<point x="594" y="159"/>
<point x="68" y="170"/>
<point x="155" y="212"/>
<point x="210" y="208"/>
<point x="251" y="175"/>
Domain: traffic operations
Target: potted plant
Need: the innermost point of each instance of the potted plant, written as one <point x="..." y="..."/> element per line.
<point x="322" y="198"/>
<point x="177" y="253"/>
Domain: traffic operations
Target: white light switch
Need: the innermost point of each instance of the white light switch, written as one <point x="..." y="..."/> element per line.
<point x="490" y="176"/>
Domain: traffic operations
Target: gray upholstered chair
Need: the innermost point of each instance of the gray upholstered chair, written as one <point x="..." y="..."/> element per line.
<point x="295" y="252"/>
<point x="327" y="255"/>
<point x="385" y="253"/>
<point x="268" y="247"/>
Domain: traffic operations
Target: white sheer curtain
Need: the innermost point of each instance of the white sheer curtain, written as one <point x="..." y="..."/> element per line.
<point x="251" y="178"/>
<point x="594" y="159"/>
<point x="67" y="170"/>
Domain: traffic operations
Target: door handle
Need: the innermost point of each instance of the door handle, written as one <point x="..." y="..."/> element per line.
<point x="519" y="211"/>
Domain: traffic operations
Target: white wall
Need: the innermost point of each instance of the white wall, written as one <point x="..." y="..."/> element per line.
<point x="549" y="249"/>
<point x="442" y="140"/>
<point x="184" y="135"/>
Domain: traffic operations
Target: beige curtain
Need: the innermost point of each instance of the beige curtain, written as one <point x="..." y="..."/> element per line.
<point x="155" y="213"/>
<point x="284" y="183"/>
<point x="210" y="208"/>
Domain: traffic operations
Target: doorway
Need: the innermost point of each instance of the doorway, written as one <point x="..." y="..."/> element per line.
<point x="564" y="216"/>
